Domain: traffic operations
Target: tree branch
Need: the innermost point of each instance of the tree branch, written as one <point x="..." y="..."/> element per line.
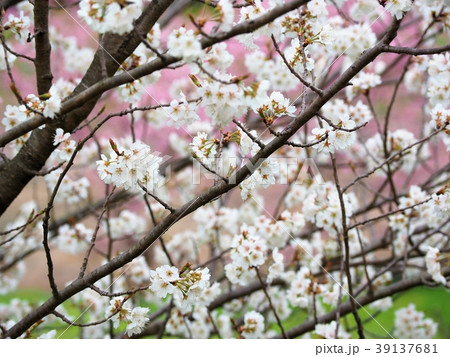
<point x="346" y="308"/>
<point x="43" y="48"/>
<point x="416" y="51"/>
<point x="16" y="174"/>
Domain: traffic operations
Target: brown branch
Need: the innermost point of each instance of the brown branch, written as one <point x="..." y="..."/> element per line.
<point x="94" y="85"/>
<point x="10" y="50"/>
<point x="414" y="247"/>
<point x="416" y="51"/>
<point x="115" y="200"/>
<point x="365" y="300"/>
<point x="387" y="214"/>
<point x="43" y="48"/>
<point x="207" y="168"/>
<point x="157" y="199"/>
<point x="95" y="323"/>
<point x="161" y="239"/>
<point x="121" y="293"/>
<point x="218" y="302"/>
<point x="94" y="235"/>
<point x="39" y="146"/>
<point x="294" y="72"/>
<point x="264" y="287"/>
<point x="246" y="131"/>
<point x="390" y="159"/>
<point x="347" y="250"/>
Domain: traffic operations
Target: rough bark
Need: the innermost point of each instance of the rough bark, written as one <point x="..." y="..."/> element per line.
<point x="43" y="48"/>
<point x="16" y="173"/>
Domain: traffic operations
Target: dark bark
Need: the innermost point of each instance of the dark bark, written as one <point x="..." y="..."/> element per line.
<point x="17" y="172"/>
<point x="43" y="48"/>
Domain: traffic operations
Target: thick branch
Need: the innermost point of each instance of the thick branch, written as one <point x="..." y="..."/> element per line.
<point x="346" y="308"/>
<point x="17" y="172"/>
<point x="43" y="48"/>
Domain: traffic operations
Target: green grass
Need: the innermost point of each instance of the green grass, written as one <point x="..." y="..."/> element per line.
<point x="37" y="297"/>
<point x="434" y="302"/>
<point x="28" y="295"/>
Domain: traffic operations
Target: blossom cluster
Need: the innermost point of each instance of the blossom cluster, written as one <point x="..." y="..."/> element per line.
<point x="135" y="318"/>
<point x="110" y="16"/>
<point x="19" y="25"/>
<point x="134" y="167"/>
<point x="421" y="208"/>
<point x="263" y="176"/>
<point x="70" y="190"/>
<point x="32" y="105"/>
<point x="189" y="288"/>
<point x="410" y="323"/>
<point x="73" y="240"/>
<point x="249" y="252"/>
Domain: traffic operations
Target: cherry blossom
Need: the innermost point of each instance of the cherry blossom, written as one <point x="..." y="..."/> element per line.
<point x="433" y="265"/>
<point x="410" y="323"/>
<point x="183" y="43"/>
<point x="253" y="325"/>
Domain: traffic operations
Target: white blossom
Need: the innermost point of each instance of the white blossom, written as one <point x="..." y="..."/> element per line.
<point x="433" y="265"/>
<point x="204" y="149"/>
<point x="73" y="240"/>
<point x="137" y="320"/>
<point x="135" y="167"/>
<point x="118" y="308"/>
<point x="412" y="324"/>
<point x="277" y="268"/>
<point x="274" y="107"/>
<point x="18" y="25"/>
<point x="253" y="325"/>
<point x="115" y="17"/>
<point x="397" y="8"/>
<point x="226" y="10"/>
<point x="183" y="43"/>
<point x="329" y="330"/>
<point x="182" y="112"/>
<point x="331" y="139"/>
<point x="361" y="83"/>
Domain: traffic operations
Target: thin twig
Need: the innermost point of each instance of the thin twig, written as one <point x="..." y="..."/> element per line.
<point x="292" y="70"/>
<point x="94" y="236"/>
<point x="156" y="198"/>
<point x="269" y="299"/>
<point x="347" y="249"/>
